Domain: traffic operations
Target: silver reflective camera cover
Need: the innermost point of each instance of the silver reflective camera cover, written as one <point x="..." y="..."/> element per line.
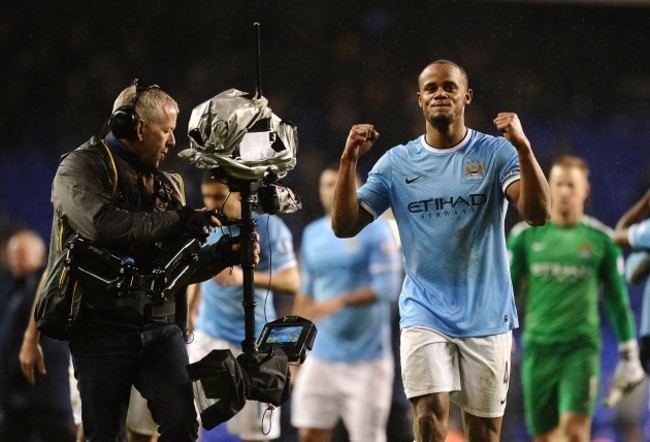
<point x="241" y="135"/>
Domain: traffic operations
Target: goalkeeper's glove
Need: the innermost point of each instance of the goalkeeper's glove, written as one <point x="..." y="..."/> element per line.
<point x="627" y="375"/>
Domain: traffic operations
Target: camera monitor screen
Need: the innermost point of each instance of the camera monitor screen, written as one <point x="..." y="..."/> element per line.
<point x="295" y="335"/>
<point x="284" y="335"/>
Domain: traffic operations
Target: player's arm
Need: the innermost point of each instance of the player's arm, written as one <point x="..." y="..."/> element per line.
<point x="31" y="353"/>
<point x="617" y="300"/>
<point x="385" y="270"/>
<point x="531" y="194"/>
<point x="319" y="309"/>
<point x="629" y="372"/>
<point x="384" y="267"/>
<point x="636" y="235"/>
<point x="644" y="332"/>
<point x="302" y="305"/>
<point x="283" y="276"/>
<point x="362" y="296"/>
<point x="193" y="299"/>
<point x="634" y="215"/>
<point x="348" y="217"/>
<point x="284" y="281"/>
<point x="384" y="288"/>
<point x="639" y="211"/>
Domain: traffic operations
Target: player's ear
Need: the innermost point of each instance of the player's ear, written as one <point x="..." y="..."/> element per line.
<point x="419" y="100"/>
<point x="468" y="96"/>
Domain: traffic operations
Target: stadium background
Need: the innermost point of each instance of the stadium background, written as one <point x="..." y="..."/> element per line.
<point x="576" y="72"/>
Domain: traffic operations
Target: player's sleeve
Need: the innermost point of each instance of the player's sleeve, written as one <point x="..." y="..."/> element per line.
<point x="373" y="194"/>
<point x="306" y="280"/>
<point x="637" y="267"/>
<point x="645" y="311"/>
<point x="385" y="263"/>
<point x="281" y="245"/>
<point x="617" y="299"/>
<point x="639" y="235"/>
<point x="507" y="163"/>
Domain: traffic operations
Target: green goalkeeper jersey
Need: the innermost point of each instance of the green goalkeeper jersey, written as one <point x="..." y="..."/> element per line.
<point x="562" y="271"/>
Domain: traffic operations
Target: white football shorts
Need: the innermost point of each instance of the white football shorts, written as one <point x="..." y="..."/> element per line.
<point x="476" y="371"/>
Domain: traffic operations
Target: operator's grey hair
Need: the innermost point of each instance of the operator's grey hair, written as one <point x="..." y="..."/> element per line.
<point x="149" y="105"/>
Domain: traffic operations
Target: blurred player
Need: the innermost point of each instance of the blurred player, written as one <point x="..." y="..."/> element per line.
<point x="562" y="267"/>
<point x="348" y="286"/>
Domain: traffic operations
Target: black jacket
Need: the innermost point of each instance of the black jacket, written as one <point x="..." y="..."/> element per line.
<point x="105" y="195"/>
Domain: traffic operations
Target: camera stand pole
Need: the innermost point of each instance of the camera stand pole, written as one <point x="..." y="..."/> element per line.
<point x="247" y="231"/>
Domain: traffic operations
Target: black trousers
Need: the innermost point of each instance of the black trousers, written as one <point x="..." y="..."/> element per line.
<point x="109" y="359"/>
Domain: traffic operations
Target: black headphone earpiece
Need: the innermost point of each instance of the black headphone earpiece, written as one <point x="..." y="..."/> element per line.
<point x="124" y="120"/>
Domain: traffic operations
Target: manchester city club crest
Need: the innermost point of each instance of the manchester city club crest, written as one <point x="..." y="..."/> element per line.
<point x="473" y="170"/>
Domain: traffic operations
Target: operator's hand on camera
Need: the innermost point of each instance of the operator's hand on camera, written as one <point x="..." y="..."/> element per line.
<point x="227" y="251"/>
<point x="627" y="375"/>
<point x="198" y="223"/>
<point x="360" y="140"/>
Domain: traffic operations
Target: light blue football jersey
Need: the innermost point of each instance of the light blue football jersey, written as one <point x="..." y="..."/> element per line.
<point x="331" y="267"/>
<point x="450" y="208"/>
<point x="639" y="235"/>
<point x="221" y="314"/>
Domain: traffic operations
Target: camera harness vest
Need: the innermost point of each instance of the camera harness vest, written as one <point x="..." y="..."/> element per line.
<point x="133" y="189"/>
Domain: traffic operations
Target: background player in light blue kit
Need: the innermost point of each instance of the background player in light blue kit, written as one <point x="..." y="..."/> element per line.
<point x="347" y="286"/>
<point x="219" y="322"/>
<point x="633" y="231"/>
<point x="449" y="190"/>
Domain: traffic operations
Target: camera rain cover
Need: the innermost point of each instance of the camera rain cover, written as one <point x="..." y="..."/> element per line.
<point x="266" y="375"/>
<point x="241" y="135"/>
<point x="219" y="387"/>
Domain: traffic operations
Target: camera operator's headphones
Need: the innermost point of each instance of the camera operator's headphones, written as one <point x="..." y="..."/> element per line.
<point x="124" y="120"/>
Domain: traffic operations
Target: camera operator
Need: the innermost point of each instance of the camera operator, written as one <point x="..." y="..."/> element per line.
<point x="112" y="192"/>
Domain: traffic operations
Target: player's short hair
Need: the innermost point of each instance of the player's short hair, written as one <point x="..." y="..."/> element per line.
<point x="571" y="161"/>
<point x="463" y="72"/>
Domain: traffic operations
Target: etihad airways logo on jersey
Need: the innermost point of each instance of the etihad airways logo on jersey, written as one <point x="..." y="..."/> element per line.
<point x="560" y="272"/>
<point x="440" y="207"/>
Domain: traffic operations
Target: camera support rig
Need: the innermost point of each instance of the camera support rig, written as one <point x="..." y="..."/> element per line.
<point x="247" y="231"/>
<point x="218" y="138"/>
<point x="255" y="148"/>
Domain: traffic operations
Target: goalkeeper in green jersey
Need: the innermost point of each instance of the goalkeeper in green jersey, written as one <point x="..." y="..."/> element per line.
<point x="561" y="269"/>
